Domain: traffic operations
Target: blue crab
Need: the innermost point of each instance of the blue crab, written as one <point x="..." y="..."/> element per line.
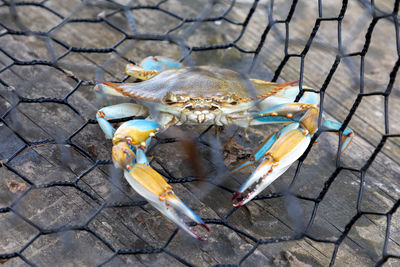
<point x="206" y="95"/>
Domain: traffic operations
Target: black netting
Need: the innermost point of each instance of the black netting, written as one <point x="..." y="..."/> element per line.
<point x="58" y="186"/>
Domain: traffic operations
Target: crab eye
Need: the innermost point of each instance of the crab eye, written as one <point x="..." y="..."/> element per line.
<point x="226" y="98"/>
<point x="181" y="98"/>
<point x="170" y="98"/>
<point x="232" y="99"/>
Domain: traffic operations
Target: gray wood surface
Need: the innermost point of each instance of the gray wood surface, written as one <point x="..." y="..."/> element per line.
<point x="143" y="227"/>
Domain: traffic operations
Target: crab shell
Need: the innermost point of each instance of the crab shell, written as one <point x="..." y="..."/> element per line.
<point x="200" y="95"/>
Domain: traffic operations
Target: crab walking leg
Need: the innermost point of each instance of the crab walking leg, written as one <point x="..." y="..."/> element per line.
<point x="265" y="146"/>
<point x="280" y="109"/>
<point x="347" y="135"/>
<point x="287" y="96"/>
<point x="159" y="63"/>
<point x="118" y="111"/>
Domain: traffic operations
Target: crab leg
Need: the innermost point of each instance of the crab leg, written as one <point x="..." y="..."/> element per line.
<point x="347" y="135"/>
<point x="130" y="141"/>
<point x="287" y="96"/>
<point x="118" y="111"/>
<point x="151" y="66"/>
<point x="285" y="147"/>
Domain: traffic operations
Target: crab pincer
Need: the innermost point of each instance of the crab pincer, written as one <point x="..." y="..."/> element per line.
<point x="284" y="147"/>
<point x="152" y="186"/>
<point x="287" y="148"/>
<point x="130" y="143"/>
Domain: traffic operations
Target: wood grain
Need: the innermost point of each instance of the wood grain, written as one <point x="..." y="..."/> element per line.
<point x="143" y="227"/>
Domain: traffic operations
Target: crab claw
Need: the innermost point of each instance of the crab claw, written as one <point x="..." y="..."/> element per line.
<point x="152" y="186"/>
<point x="290" y="145"/>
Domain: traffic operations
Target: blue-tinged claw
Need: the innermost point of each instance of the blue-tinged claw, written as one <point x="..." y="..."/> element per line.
<point x="129" y="145"/>
<point x="107" y="88"/>
<point x="262" y="177"/>
<point x="287" y="148"/>
<point x="181" y="209"/>
<point x="264" y="147"/>
<point x="152" y="186"/>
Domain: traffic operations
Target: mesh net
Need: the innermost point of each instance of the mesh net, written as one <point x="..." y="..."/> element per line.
<point x="62" y="201"/>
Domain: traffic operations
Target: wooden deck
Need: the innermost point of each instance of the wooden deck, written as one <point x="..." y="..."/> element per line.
<point x="130" y="228"/>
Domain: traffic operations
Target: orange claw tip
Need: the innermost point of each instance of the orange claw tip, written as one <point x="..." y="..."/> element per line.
<point x="201" y="238"/>
<point x="237" y="205"/>
<point x="235" y="196"/>
<point x="205" y="226"/>
<point x="197" y="236"/>
<point x="241" y="203"/>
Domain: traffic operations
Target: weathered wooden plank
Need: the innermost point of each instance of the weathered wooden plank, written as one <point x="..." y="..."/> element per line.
<point x="14" y="262"/>
<point x="268" y="218"/>
<point x="71" y="247"/>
